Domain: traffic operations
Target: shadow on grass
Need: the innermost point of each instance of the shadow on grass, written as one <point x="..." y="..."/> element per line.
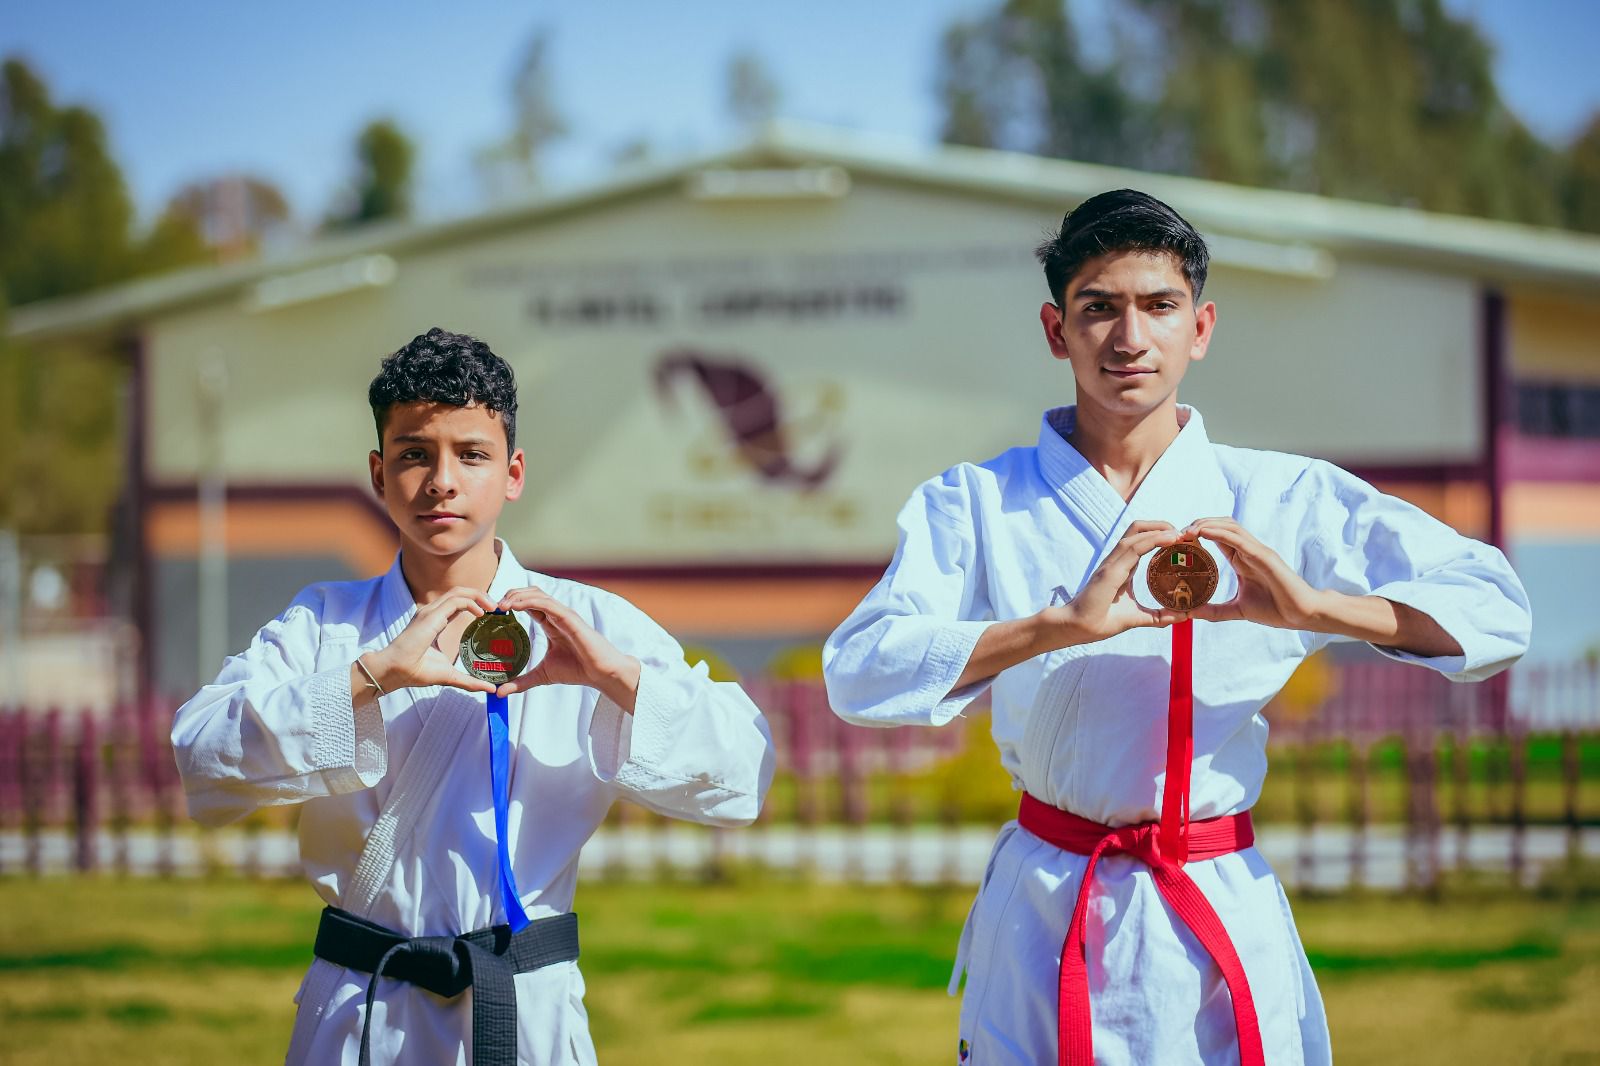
<point x="1425" y="959"/>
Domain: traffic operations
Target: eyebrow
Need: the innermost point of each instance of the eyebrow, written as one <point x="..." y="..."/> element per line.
<point x="1102" y="294"/>
<point x="416" y="438"/>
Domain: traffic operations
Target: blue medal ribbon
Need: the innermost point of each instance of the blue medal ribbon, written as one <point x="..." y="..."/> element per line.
<point x="500" y="781"/>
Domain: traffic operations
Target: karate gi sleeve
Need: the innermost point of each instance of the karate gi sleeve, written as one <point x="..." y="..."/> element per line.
<point x="1362" y="542"/>
<point x="895" y="660"/>
<point x="693" y="748"/>
<point x="272" y="730"/>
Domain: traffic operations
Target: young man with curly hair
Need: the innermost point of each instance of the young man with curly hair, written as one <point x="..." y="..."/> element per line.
<point x="444" y="839"/>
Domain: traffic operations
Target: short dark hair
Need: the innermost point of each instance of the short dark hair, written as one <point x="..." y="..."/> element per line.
<point x="447" y="368"/>
<point x="1124" y="220"/>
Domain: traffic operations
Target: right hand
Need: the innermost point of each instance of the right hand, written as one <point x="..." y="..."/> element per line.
<point x="413" y="659"/>
<point x="1106" y="606"/>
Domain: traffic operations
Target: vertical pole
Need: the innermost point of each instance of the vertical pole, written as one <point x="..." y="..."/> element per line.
<point x="212" y="637"/>
<point x="85" y="795"/>
<point x="10" y="619"/>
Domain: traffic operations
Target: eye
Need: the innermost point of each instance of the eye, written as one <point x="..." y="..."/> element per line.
<point x="1094" y="307"/>
<point x="1163" y="305"/>
<point x="475" y="456"/>
<point x="411" y="455"/>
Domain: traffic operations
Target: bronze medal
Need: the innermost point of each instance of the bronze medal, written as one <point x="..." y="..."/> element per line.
<point x="1182" y="577"/>
<point x="495" y="648"/>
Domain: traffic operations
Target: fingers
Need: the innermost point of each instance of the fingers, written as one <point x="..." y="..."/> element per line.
<point x="1228" y="611"/>
<point x="1120" y="564"/>
<point x="463" y="680"/>
<point x="539" y="603"/>
<point x="523" y="682"/>
<point x="433" y="618"/>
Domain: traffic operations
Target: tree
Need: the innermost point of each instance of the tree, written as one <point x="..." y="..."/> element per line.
<point x="1580" y="186"/>
<point x="231" y="216"/>
<point x="64" y="210"/>
<point x="1391" y="101"/>
<point x="751" y="93"/>
<point x="1016" y="79"/>
<point x="67" y="225"/>
<point x="382" y="187"/>
<point x="514" y="165"/>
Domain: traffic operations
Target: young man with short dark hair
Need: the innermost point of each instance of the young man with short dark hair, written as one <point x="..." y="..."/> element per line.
<point x="443" y="840"/>
<point x="1125" y="917"/>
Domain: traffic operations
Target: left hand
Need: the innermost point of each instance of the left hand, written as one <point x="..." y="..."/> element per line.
<point x="1269" y="591"/>
<point x="577" y="654"/>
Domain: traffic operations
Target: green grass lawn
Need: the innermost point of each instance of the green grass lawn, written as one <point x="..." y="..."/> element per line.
<point x="104" y="970"/>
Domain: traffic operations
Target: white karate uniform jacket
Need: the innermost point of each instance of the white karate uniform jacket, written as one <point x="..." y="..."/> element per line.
<point x="398" y="817"/>
<point x="1084" y="728"/>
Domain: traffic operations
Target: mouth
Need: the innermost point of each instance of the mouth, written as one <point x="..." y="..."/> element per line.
<point x="1129" y="372"/>
<point x="441" y="518"/>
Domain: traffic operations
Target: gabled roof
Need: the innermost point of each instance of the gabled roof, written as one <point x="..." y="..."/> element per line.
<point x="1494" y="251"/>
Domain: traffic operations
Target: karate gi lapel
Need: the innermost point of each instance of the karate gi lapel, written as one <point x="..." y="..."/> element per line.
<point x="1184" y="484"/>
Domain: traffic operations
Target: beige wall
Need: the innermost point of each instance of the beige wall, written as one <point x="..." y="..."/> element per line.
<point x="1377" y="364"/>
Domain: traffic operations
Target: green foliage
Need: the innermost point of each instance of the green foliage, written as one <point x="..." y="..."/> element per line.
<point x="1391" y="101"/>
<point x="64" y="209"/>
<point x="69" y="227"/>
<point x="384" y="160"/>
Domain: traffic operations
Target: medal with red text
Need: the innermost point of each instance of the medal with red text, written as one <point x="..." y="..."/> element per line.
<point x="495" y="648"/>
<point x="1181" y="577"/>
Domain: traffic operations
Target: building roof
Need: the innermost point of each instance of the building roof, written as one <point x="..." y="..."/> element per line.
<point x="1297" y="226"/>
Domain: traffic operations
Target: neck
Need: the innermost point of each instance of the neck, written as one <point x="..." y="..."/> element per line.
<point x="1124" y="447"/>
<point x="431" y="576"/>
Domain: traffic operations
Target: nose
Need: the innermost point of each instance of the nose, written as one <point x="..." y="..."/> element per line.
<point x="1131" y="336"/>
<point x="442" y="479"/>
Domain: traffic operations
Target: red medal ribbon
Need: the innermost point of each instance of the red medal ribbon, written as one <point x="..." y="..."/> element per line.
<point x="1180" y="746"/>
<point x="1164" y="847"/>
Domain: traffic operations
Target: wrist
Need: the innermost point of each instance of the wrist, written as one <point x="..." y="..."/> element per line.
<point x="381" y="667"/>
<point x="1328" y="612"/>
<point x="621" y="683"/>
<point x="1055" y="628"/>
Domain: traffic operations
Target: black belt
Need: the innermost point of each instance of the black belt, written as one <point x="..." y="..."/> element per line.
<point x="484" y="961"/>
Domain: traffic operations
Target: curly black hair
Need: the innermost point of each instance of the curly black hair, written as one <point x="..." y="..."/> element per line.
<point x="1124" y="220"/>
<point x="447" y="368"/>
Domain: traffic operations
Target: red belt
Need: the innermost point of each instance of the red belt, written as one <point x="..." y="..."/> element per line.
<point x="1205" y="840"/>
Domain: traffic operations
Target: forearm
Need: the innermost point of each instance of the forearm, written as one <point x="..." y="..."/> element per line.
<point x="1383" y="622"/>
<point x="1005" y="644"/>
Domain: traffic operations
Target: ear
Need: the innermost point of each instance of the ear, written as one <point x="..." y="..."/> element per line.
<point x="375" y="468"/>
<point x="1050" y="317"/>
<point x="1205" y="322"/>
<point x="518" y="470"/>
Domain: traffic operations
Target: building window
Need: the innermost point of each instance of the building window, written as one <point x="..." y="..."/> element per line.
<point x="1564" y="409"/>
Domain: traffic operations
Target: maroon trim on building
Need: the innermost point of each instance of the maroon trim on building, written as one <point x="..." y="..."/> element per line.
<point x="286" y="492"/>
<point x="1550" y="459"/>
<point x="1495" y="430"/>
<point x="137" y="487"/>
<point x="1423" y="473"/>
<point x="274" y="492"/>
<point x="721" y="572"/>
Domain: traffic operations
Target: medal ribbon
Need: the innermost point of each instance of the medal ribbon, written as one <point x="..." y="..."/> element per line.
<point x="500" y="780"/>
<point x="1174" y="838"/>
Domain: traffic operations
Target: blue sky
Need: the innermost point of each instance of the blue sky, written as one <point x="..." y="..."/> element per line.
<point x="190" y="89"/>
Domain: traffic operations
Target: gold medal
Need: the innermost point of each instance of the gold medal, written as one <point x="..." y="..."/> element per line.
<point x="495" y="648"/>
<point x="1182" y="577"/>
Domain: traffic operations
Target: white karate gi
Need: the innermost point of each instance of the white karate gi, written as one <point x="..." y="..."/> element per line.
<point x="398" y="818"/>
<point x="1084" y="728"/>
